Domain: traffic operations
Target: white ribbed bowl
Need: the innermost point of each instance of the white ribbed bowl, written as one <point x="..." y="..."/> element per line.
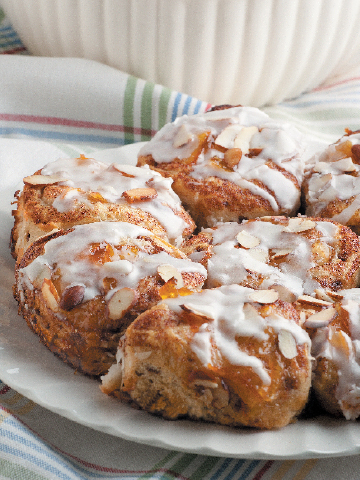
<point x="253" y="52"/>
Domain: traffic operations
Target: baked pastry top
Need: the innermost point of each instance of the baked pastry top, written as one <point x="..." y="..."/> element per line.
<point x="230" y="164"/>
<point x="228" y="355"/>
<point x="332" y="186"/>
<point x="79" y="289"/>
<point x="81" y="190"/>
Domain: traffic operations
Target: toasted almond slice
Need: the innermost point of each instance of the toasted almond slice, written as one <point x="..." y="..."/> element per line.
<point x="226" y="137"/>
<point x="264" y="296"/>
<point x="42" y="272"/>
<point x="182" y="137"/>
<point x="247" y="240"/>
<point x="320" y="319"/>
<point x="72" y="297"/>
<point x="50" y="295"/>
<point x="321" y="167"/>
<point x="259" y="254"/>
<point x="285" y="294"/>
<point x="345" y="165"/>
<point x="43" y="179"/>
<point x="318" y="182"/>
<point x="205" y="383"/>
<point x="232" y="157"/>
<point x="287" y="344"/>
<point x="340" y="341"/>
<point x="167" y="271"/>
<point x="190" y="309"/>
<point x="317" y="302"/>
<point x="120" y="169"/>
<point x="139" y="194"/>
<point x="121" y="302"/>
<point x="323" y="295"/>
<point x="298" y="224"/>
<point x="243" y="139"/>
<point x="280" y="252"/>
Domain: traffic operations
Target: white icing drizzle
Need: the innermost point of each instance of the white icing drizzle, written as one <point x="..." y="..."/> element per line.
<point x="346" y="359"/>
<point x="64" y="252"/>
<point x="230" y="264"/>
<point x="90" y="175"/>
<point x="333" y="179"/>
<point x="228" y="320"/>
<point x="280" y="143"/>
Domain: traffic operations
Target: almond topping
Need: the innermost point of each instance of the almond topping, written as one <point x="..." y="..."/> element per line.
<point x="205" y="384"/>
<point x="121" y="302"/>
<point x="182" y="137"/>
<point x="259" y="254"/>
<point x="119" y="167"/>
<point x="167" y="272"/>
<point x="232" y="157"/>
<point x="317" y="302"/>
<point x="340" y="341"/>
<point x="287" y="344"/>
<point x="345" y="165"/>
<point x="285" y="294"/>
<point x="247" y="240"/>
<point x="264" y="296"/>
<point x="139" y="194"/>
<point x="226" y="137"/>
<point x="320" y="319"/>
<point x="298" y="224"/>
<point x="72" y="297"/>
<point x="243" y="139"/>
<point x="190" y="309"/>
<point x="43" y="179"/>
<point x="50" y="295"/>
<point x="280" y="252"/>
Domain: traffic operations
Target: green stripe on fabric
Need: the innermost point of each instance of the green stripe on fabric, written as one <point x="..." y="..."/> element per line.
<point x="146" y="108"/>
<point x="163" y="107"/>
<point x="16" y="472"/>
<point x="128" y="110"/>
<point x="183" y="463"/>
<point x="205" y="468"/>
<point x="159" y="465"/>
<point x="2" y="15"/>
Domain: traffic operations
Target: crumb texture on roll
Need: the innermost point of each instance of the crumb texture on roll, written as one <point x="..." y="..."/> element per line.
<point x="230" y="355"/>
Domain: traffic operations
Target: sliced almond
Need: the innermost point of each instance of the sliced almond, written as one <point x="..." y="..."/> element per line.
<point x="287" y="344"/>
<point x="205" y="384"/>
<point x="247" y="240"/>
<point x="232" y="157"/>
<point x="43" y="179"/>
<point x="264" y="296"/>
<point x="139" y="194"/>
<point x="317" y="302"/>
<point x="121" y="302"/>
<point x="167" y="271"/>
<point x="320" y="319"/>
<point x="243" y="139"/>
<point x="190" y="309"/>
<point x="340" y="341"/>
<point x="182" y="137"/>
<point x="72" y="297"/>
<point x="259" y="254"/>
<point x="43" y="272"/>
<point x="318" y="182"/>
<point x="298" y="224"/>
<point x="345" y="165"/>
<point x="226" y="137"/>
<point x="285" y="294"/>
<point x="321" y="167"/>
<point x="280" y="252"/>
<point x="120" y="169"/>
<point x="323" y="295"/>
<point x="50" y="295"/>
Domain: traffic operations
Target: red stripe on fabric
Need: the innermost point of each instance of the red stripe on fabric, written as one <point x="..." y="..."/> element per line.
<point x="14" y="50"/>
<point x="93" y="466"/>
<point x="4" y="390"/>
<point x="263" y="470"/>
<point x="67" y="122"/>
<point x="341" y="82"/>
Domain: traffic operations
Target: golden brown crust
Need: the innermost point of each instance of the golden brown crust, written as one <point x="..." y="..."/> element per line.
<point x="164" y="376"/>
<point x="86" y="334"/>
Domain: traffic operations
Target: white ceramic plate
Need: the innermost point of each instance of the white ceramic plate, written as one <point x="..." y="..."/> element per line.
<point x="32" y="370"/>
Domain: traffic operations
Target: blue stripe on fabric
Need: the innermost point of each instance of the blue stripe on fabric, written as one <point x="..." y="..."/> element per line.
<point x="187" y="105"/>
<point x="62" y="136"/>
<point x="197" y="106"/>
<point x="222" y="469"/>
<point x="249" y="469"/>
<point x="176" y="106"/>
<point x="237" y="466"/>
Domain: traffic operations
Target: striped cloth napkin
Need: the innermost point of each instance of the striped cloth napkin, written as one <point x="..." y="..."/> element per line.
<point x="63" y="107"/>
